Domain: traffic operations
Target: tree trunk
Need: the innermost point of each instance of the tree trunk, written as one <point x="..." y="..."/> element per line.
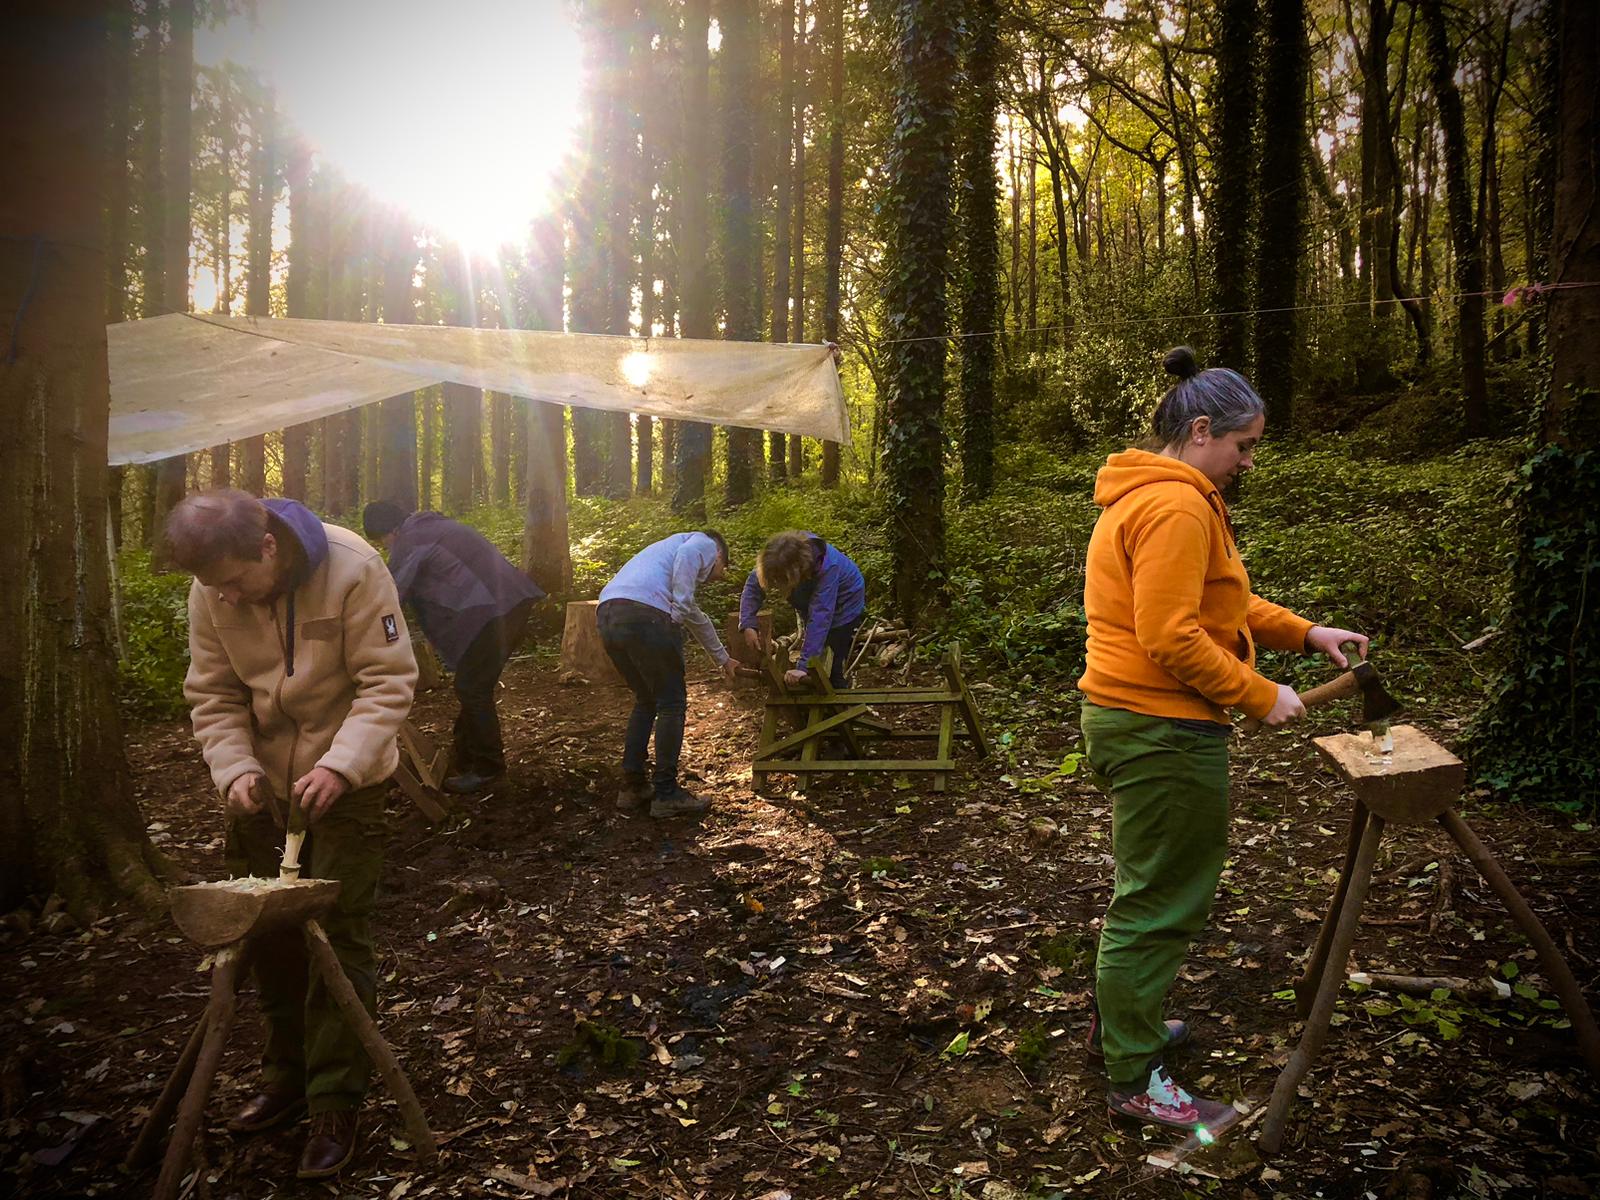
<point x="740" y="257"/>
<point x="693" y="449"/>
<point x="980" y="245"/>
<point x="1464" y="239"/>
<point x="1282" y="225"/>
<point x="297" y="303"/>
<point x="1234" y="189"/>
<point x="1534" y="739"/>
<point x="258" y="270"/>
<point x="783" y="233"/>
<point x="920" y="159"/>
<point x="546" y="555"/>
<point x="397" y="457"/>
<point x="802" y="75"/>
<point x="176" y="82"/>
<point x="119" y="110"/>
<point x="68" y="822"/>
<point x="500" y="446"/>
<point x="835" y="243"/>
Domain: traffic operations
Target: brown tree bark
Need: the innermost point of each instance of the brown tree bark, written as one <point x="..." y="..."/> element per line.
<point x="68" y="822"/>
<point x="258" y="266"/>
<point x="693" y="438"/>
<point x="546" y="553"/>
<point x="397" y="461"/>
<point x="176" y="82"/>
<point x="797" y="286"/>
<point x="119" y="111"/>
<point x="297" y="303"/>
<point x="834" y="247"/>
<point x="783" y="233"/>
<point x="500" y="446"/>
<point x="1465" y="242"/>
<point x="740" y="256"/>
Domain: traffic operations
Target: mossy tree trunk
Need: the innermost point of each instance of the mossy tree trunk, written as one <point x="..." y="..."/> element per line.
<point x="921" y="159"/>
<point x="68" y="822"/>
<point x="1535" y="738"/>
<point x="980" y="248"/>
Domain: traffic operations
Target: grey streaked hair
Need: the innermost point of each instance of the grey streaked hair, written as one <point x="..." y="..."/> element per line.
<point x="1217" y="392"/>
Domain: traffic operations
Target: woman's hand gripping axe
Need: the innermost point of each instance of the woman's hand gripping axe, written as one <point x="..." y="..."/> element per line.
<point x="1377" y="706"/>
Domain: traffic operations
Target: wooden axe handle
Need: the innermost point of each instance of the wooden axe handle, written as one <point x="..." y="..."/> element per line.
<point x="1338" y="688"/>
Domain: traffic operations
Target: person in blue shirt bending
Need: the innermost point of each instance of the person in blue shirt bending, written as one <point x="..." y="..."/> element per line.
<point x="641" y="617"/>
<point x="823" y="585"/>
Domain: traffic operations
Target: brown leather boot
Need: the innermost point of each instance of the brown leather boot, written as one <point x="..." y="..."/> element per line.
<point x="329" y="1145"/>
<point x="268" y="1109"/>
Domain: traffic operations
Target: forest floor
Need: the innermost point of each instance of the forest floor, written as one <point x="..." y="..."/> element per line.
<point x="793" y="972"/>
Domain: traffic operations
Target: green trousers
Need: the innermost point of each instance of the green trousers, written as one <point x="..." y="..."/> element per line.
<point x="1169" y="830"/>
<point x="309" y="1044"/>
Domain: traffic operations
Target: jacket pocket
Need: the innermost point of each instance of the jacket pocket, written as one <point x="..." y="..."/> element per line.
<point x="323" y="629"/>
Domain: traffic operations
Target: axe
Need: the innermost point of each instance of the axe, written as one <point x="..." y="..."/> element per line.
<point x="1377" y="706"/>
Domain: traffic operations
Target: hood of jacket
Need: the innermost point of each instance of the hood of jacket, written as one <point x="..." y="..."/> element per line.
<point x="306" y="527"/>
<point x="1127" y="472"/>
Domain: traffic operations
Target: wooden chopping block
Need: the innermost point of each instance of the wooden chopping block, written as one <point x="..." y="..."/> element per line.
<point x="733" y="638"/>
<point x="220" y="913"/>
<point x="581" y="651"/>
<point x="1411" y="786"/>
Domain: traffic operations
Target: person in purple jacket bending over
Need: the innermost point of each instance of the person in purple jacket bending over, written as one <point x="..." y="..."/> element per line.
<point x="823" y="585"/>
<point x="473" y="606"/>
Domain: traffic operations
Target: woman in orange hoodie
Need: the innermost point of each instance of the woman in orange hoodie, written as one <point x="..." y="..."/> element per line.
<point x="1173" y="631"/>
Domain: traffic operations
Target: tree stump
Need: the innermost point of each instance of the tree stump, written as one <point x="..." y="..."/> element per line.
<point x="733" y="637"/>
<point x="581" y="651"/>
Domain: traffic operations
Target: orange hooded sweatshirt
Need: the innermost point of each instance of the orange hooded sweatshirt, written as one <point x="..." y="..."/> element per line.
<point x="1173" y="626"/>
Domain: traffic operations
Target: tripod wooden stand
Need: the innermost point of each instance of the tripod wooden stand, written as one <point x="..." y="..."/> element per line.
<point x="227" y="915"/>
<point x="1416" y="784"/>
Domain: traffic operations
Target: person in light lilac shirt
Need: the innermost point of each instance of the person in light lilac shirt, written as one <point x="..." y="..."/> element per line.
<point x="641" y="618"/>
<point x="824" y="587"/>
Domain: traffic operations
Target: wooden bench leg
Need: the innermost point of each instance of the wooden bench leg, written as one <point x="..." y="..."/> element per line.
<point x="326" y="963"/>
<point x="217" y="1021"/>
<point x="1305" y="989"/>
<point x="160" y="1118"/>
<point x="1316" y="1026"/>
<point x="1550" y="958"/>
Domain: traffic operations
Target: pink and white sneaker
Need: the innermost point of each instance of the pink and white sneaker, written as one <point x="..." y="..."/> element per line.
<point x="1163" y="1102"/>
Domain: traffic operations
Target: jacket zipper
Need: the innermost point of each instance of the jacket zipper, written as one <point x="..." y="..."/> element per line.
<point x="277" y="702"/>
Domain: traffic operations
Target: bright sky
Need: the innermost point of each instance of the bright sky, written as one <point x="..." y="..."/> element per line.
<point x="459" y="112"/>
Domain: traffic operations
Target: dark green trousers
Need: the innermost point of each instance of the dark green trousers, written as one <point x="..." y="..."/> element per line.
<point x="1169" y="831"/>
<point x="309" y="1044"/>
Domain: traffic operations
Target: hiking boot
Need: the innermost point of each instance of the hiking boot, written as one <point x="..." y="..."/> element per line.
<point x="267" y="1109"/>
<point x="468" y="782"/>
<point x="329" y="1145"/>
<point x="678" y="803"/>
<point x="1162" y="1102"/>
<point x="635" y="792"/>
<point x="1177" y="1035"/>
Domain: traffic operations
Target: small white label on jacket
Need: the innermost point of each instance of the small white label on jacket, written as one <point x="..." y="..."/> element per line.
<point x="391" y="628"/>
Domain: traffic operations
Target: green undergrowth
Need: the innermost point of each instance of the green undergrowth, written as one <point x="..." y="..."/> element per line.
<point x="1414" y="552"/>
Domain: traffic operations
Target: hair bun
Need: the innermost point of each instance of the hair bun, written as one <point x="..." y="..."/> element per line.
<point x="1180" y="361"/>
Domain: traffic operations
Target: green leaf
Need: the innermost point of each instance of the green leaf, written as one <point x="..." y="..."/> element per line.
<point x="958" y="1044"/>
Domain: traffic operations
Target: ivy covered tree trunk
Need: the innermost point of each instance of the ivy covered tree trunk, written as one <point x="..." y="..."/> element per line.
<point x="1234" y="188"/>
<point x="1535" y="738"/>
<point x="980" y="245"/>
<point x="1464" y="239"/>
<point x="740" y="258"/>
<point x="692" y="451"/>
<point x="834" y="249"/>
<point x="920" y="161"/>
<point x="68" y="822"/>
<point x="1283" y="208"/>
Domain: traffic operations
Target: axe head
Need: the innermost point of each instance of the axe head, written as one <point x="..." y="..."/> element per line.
<point x="1376" y="703"/>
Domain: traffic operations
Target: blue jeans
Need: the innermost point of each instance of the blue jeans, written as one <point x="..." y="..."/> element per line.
<point x="646" y="647"/>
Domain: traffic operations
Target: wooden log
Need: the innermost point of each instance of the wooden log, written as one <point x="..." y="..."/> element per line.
<point x="1411" y="786"/>
<point x="143" y="1151"/>
<point x="1550" y="958"/>
<point x="733" y="636"/>
<point x="229" y="910"/>
<point x="1426" y="985"/>
<point x="326" y="962"/>
<point x="219" y="1020"/>
<point x="1316" y="1026"/>
<point x="430" y="671"/>
<point x="581" y="650"/>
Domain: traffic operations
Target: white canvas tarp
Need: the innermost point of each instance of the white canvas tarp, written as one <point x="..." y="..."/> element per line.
<point x="182" y="382"/>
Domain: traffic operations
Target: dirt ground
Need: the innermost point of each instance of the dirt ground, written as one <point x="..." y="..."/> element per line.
<point x="875" y="990"/>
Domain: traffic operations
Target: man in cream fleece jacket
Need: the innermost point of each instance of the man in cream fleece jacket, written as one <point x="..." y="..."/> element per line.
<point x="300" y="675"/>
